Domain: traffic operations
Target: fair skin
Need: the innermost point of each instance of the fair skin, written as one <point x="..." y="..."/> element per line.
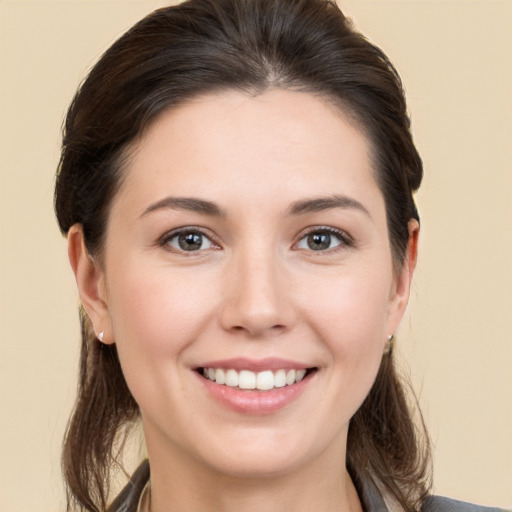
<point x="263" y="248"/>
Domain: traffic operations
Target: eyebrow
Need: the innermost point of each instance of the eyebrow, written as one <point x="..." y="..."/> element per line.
<point x="300" y="207"/>
<point x="318" y="204"/>
<point x="190" y="204"/>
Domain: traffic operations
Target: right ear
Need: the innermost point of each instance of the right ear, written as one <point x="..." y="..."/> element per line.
<point x="90" y="279"/>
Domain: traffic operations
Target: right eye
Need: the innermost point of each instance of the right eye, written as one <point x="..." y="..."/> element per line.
<point x="188" y="240"/>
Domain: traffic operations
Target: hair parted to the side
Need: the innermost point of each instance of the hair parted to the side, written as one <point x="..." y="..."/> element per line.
<point x="203" y="46"/>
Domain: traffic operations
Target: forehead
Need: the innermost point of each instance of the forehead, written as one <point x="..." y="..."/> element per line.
<point x="277" y="142"/>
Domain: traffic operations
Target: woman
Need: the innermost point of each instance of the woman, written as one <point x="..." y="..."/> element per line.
<point x="236" y="184"/>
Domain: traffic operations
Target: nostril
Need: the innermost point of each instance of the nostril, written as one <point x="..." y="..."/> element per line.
<point x="254" y="330"/>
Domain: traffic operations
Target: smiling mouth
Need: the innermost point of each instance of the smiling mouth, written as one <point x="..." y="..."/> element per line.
<point x="260" y="381"/>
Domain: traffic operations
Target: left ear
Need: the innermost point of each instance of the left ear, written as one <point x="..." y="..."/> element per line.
<point x="402" y="286"/>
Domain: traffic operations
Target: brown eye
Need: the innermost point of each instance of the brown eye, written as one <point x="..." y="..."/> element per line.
<point x="324" y="240"/>
<point x="319" y="241"/>
<point x="189" y="241"/>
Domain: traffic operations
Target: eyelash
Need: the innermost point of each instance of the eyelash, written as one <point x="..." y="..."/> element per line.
<point x="345" y="240"/>
<point x="168" y="237"/>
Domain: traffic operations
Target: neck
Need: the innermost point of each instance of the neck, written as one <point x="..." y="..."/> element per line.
<point x="179" y="484"/>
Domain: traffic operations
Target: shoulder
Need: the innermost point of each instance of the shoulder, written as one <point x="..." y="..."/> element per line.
<point x="442" y="504"/>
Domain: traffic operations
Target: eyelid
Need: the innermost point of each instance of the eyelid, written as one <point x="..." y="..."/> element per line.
<point x="169" y="235"/>
<point x="345" y="239"/>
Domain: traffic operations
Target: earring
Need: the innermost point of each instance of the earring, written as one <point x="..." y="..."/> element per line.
<point x="100" y="336"/>
<point x="388" y="349"/>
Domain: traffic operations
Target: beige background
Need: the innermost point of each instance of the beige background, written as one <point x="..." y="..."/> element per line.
<point x="455" y="58"/>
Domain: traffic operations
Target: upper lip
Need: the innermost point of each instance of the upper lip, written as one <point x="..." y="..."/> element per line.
<point x="255" y="365"/>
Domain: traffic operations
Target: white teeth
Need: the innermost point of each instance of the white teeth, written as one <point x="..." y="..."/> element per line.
<point x="265" y="380"/>
<point x="299" y="375"/>
<point x="246" y="379"/>
<point x="280" y="379"/>
<point x="232" y="378"/>
<point x="220" y="377"/>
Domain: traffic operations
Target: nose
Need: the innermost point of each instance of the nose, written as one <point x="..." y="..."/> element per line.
<point x="257" y="297"/>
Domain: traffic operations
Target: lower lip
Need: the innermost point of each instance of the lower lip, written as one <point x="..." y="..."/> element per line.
<point x="256" y="402"/>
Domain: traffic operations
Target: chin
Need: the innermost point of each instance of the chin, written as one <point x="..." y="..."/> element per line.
<point x="262" y="453"/>
<point x="256" y="465"/>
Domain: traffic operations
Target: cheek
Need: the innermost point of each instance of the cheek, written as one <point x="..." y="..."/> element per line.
<point x="350" y="307"/>
<point x="155" y="316"/>
<point x="349" y="316"/>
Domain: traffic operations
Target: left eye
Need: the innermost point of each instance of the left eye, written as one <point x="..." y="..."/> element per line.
<point x="189" y="241"/>
<point x="321" y="240"/>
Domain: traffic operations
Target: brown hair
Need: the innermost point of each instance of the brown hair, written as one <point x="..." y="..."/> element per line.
<point x="202" y="46"/>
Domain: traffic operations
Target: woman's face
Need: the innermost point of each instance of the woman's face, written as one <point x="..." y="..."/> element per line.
<point x="249" y="235"/>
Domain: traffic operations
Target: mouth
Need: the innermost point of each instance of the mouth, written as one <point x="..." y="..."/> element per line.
<point x="256" y="386"/>
<point x="265" y="380"/>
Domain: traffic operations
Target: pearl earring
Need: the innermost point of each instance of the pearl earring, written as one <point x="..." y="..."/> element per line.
<point x="100" y="336"/>
<point x="388" y="349"/>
